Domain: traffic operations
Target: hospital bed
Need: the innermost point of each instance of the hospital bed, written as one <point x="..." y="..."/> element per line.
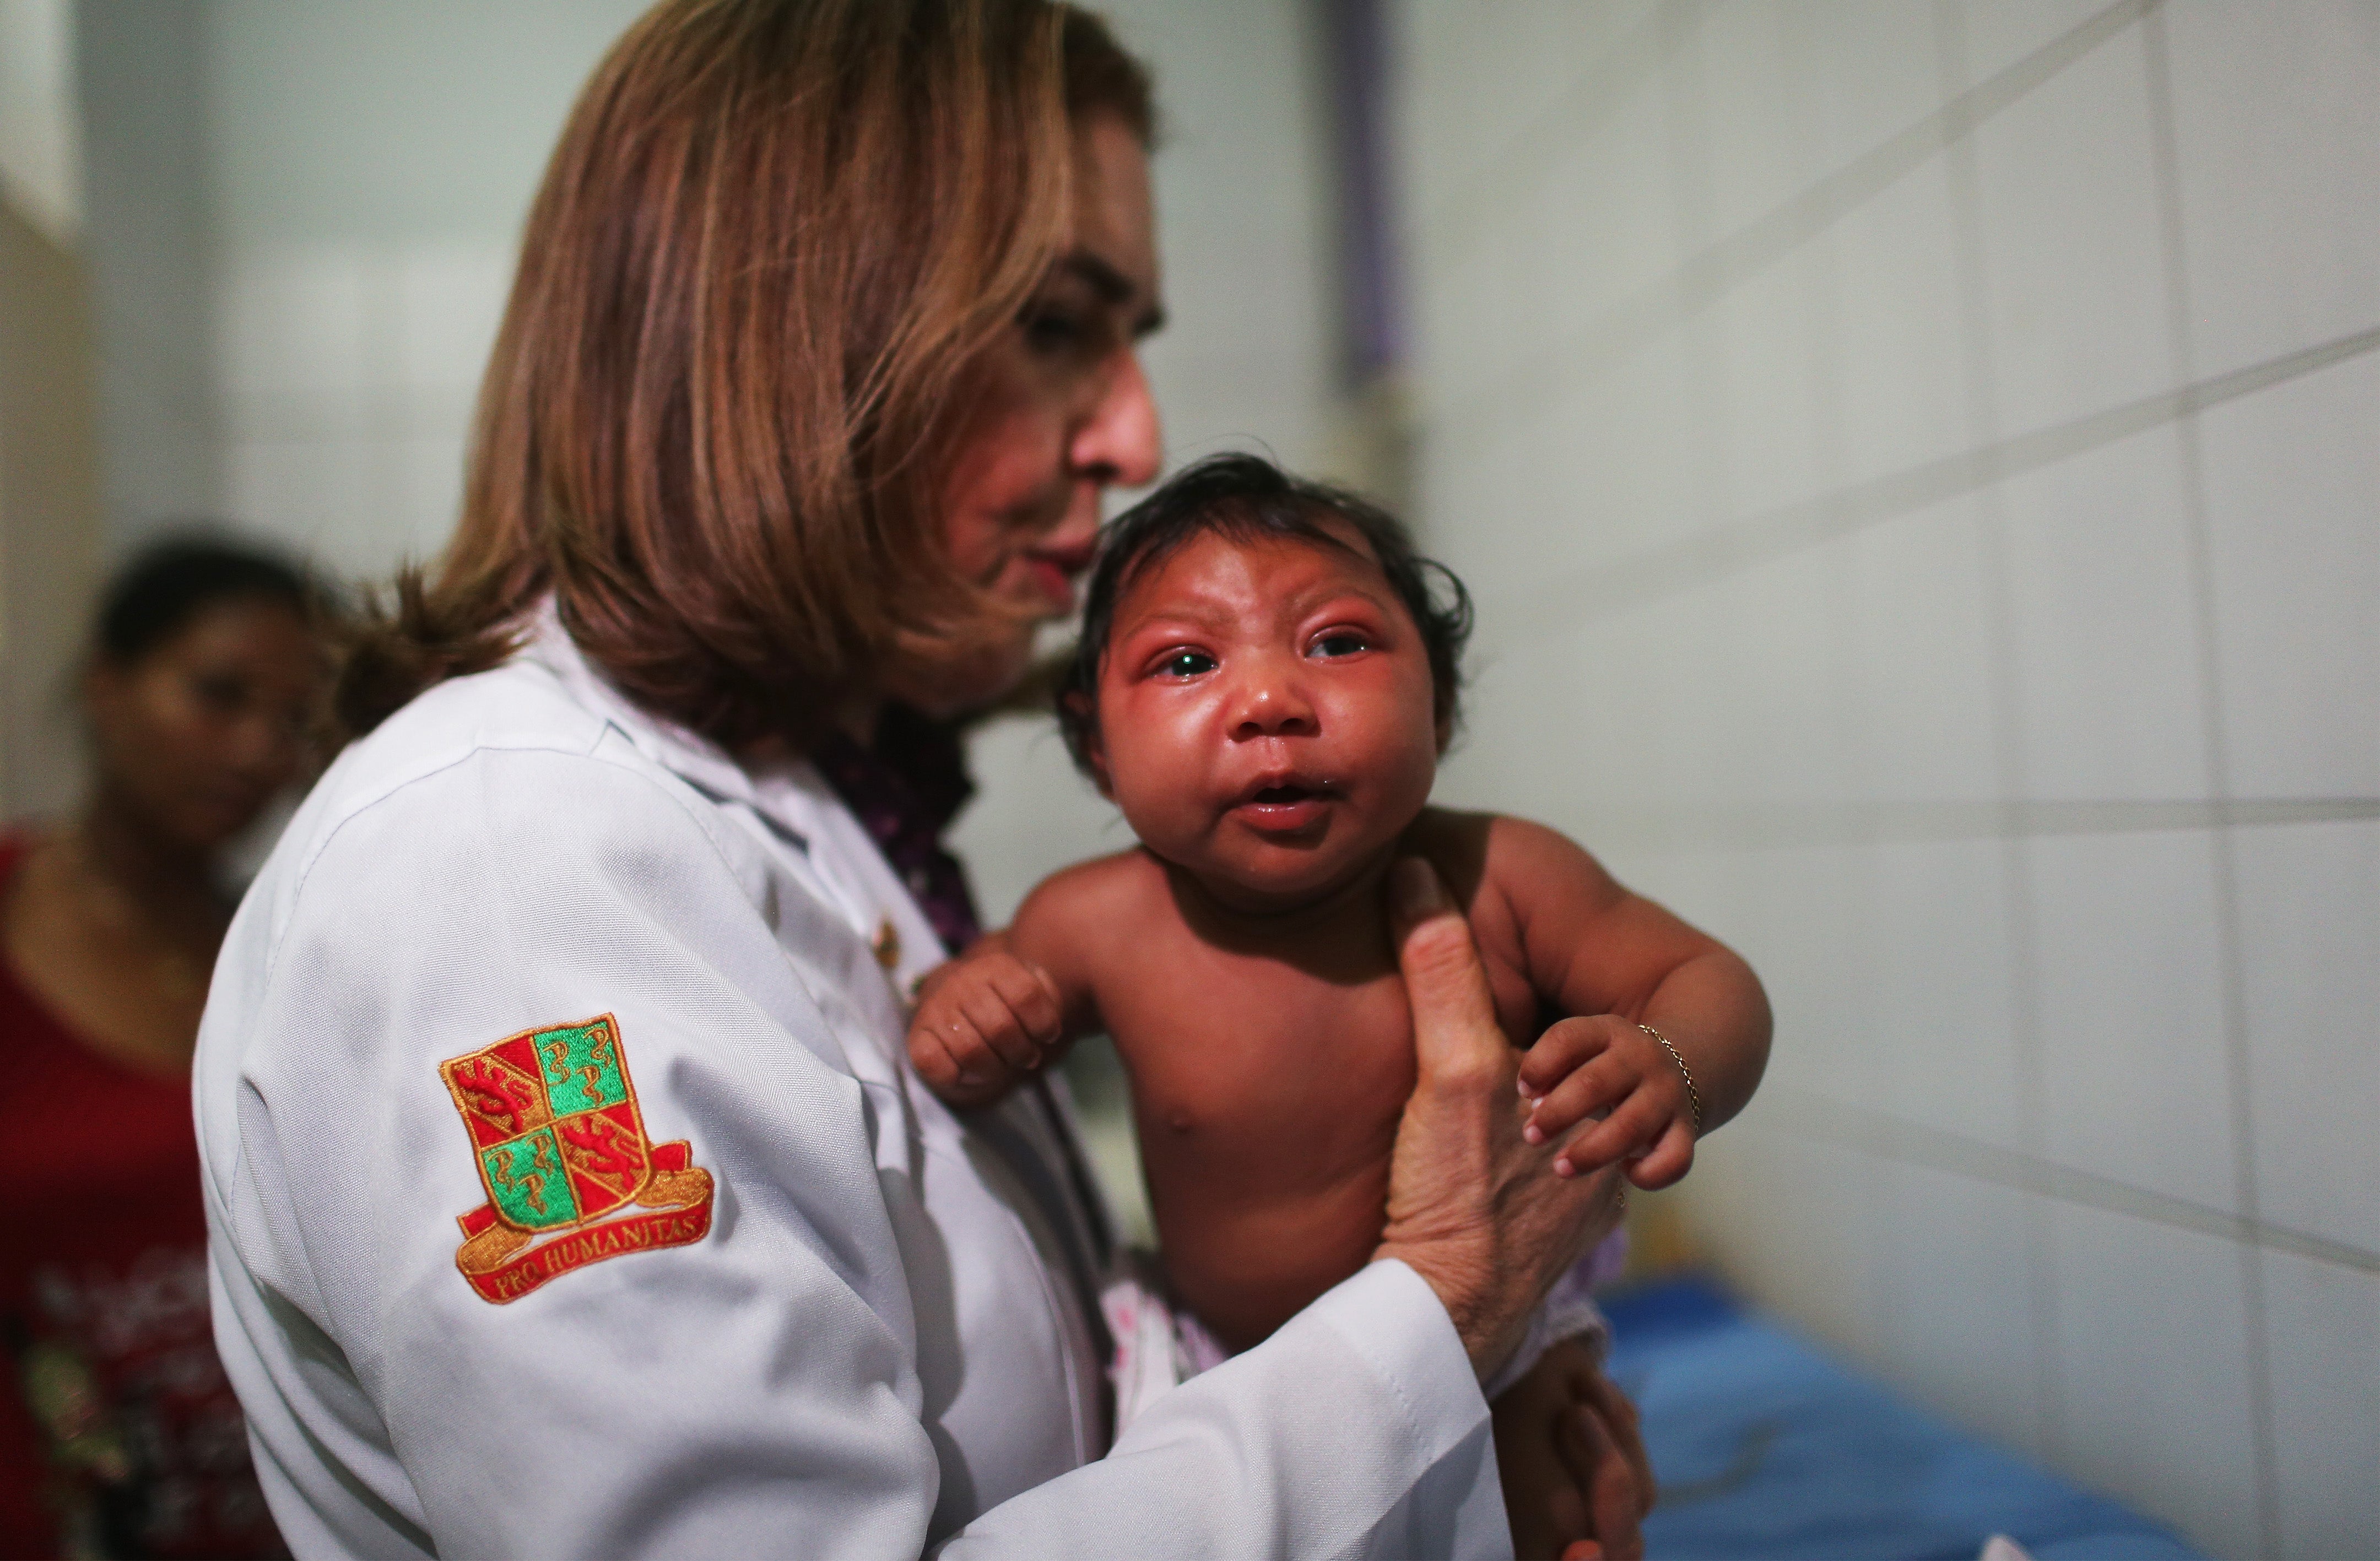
<point x="1767" y="1450"/>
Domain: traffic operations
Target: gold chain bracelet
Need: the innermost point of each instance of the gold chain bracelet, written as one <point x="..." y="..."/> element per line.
<point x="1693" y="1095"/>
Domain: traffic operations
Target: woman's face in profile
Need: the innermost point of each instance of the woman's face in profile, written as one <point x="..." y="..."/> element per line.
<point x="1058" y="412"/>
<point x="201" y="730"/>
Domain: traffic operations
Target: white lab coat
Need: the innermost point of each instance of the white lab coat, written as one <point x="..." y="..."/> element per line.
<point x="885" y="1341"/>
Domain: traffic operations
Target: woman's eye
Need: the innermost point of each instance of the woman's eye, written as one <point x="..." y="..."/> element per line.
<point x="1187" y="664"/>
<point x="224" y="695"/>
<point x="1341" y="642"/>
<point x="1053" y="330"/>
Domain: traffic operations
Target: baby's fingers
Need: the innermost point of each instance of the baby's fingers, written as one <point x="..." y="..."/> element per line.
<point x="1598" y="1086"/>
<point x="1669" y="1160"/>
<point x="954" y="1062"/>
<point x="932" y="1061"/>
<point x="986" y="1009"/>
<point x="1031" y="996"/>
<point x="1563" y="1049"/>
<point x="1635" y="1124"/>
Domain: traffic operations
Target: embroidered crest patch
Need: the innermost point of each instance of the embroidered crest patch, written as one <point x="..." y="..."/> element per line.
<point x="561" y="1149"/>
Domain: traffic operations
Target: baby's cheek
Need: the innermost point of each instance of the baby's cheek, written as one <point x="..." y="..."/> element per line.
<point x="1158" y="801"/>
<point x="1405" y="767"/>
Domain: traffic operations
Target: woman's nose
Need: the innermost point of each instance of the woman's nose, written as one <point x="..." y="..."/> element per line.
<point x="1121" y="443"/>
<point x="265" y="748"/>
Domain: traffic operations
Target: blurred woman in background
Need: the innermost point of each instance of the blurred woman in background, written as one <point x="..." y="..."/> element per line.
<point x="120" y="1434"/>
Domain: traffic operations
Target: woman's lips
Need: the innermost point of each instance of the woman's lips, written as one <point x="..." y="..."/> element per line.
<point x="1054" y="581"/>
<point x="1056" y="566"/>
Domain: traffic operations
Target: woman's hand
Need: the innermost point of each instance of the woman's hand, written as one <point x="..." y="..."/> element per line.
<point x="1475" y="1209"/>
<point x="1577" y="1483"/>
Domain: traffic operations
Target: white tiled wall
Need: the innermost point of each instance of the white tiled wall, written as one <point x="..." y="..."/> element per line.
<point x="367" y="172"/>
<point x="1798" y="393"/>
<point x="140" y="78"/>
<point x="345" y="373"/>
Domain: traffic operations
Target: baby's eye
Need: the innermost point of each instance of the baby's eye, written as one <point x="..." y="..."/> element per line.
<point x="1187" y="664"/>
<point x="1341" y="642"/>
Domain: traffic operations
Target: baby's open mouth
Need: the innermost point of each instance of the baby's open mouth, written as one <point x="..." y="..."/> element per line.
<point x="1290" y="805"/>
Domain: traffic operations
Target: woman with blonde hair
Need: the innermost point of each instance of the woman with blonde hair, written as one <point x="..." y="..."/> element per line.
<point x="569" y="1191"/>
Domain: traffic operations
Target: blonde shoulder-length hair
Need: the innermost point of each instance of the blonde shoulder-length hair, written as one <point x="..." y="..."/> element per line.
<point x="774" y="235"/>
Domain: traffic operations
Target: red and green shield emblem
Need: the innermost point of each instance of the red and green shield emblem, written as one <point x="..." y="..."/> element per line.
<point x="560" y="1149"/>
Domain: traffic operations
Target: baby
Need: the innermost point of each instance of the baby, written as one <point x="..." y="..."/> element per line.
<point x="1264" y="686"/>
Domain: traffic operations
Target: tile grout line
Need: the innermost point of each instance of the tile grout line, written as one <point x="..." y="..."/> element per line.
<point x="1606" y="590"/>
<point x="1711" y="273"/>
<point x="1823" y="365"/>
<point x="1784" y="826"/>
<point x="2165" y="153"/>
<point x="1988" y="525"/>
<point x="1572" y="116"/>
<point x="1897" y="1138"/>
<point x="1688" y="160"/>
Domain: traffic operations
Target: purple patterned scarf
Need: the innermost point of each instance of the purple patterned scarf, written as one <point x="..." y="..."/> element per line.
<point x="904" y="791"/>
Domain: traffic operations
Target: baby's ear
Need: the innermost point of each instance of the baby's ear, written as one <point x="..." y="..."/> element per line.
<point x="1093" y="750"/>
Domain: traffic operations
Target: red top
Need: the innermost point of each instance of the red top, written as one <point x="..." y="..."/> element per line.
<point x="120" y="1435"/>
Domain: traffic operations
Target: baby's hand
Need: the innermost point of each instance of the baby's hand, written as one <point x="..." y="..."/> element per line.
<point x="1609" y="1064"/>
<point x="985" y="1022"/>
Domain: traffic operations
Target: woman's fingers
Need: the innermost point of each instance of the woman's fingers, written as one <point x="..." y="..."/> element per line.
<point x="1455" y="1034"/>
<point x="1471" y="1207"/>
<point x="1617" y="1412"/>
<point x="1605" y="1472"/>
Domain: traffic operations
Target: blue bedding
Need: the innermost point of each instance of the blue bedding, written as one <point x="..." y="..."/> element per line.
<point x="1767" y="1450"/>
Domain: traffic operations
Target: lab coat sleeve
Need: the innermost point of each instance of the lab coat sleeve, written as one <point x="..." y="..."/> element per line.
<point x="752" y="1393"/>
<point x="1356" y="1430"/>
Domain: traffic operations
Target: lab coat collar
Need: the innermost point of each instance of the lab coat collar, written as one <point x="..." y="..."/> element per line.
<point x="787" y="795"/>
<point x="679" y="749"/>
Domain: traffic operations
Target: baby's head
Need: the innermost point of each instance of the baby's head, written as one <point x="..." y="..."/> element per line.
<point x="1266" y="679"/>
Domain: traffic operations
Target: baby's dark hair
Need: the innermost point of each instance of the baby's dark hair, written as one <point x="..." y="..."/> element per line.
<point x="167" y="584"/>
<point x="1246" y="497"/>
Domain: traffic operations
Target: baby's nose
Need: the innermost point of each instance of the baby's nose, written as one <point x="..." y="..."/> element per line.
<point x="1274" y="709"/>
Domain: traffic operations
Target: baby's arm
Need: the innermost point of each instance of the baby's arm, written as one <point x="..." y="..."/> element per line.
<point x="1643" y="978"/>
<point x="1009" y="1006"/>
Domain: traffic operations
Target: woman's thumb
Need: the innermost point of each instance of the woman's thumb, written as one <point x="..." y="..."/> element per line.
<point x="1454" y="1018"/>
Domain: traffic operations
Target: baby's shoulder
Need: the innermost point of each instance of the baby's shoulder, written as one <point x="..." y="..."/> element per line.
<point x="1511" y="874"/>
<point x="1083" y="906"/>
<point x="1494" y="851"/>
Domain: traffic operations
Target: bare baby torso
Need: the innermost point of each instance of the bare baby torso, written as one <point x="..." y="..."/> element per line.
<point x="1269" y="1065"/>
